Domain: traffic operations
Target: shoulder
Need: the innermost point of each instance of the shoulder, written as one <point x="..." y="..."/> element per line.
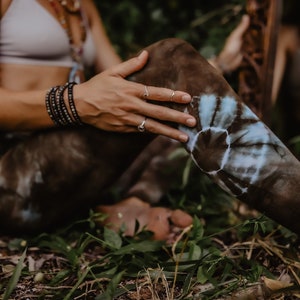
<point x="288" y="31"/>
<point x="4" y="4"/>
<point x="87" y="4"/>
<point x="89" y="8"/>
<point x="92" y="14"/>
<point x="288" y="37"/>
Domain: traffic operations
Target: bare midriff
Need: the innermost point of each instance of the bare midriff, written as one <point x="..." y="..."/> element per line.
<point x="23" y="77"/>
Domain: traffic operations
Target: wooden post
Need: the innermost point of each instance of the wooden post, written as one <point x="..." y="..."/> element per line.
<point x="259" y="50"/>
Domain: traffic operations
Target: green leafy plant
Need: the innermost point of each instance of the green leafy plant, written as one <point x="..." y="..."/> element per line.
<point x="15" y="277"/>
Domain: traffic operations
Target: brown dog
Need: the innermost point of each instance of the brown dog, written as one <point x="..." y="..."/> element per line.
<point x="55" y="174"/>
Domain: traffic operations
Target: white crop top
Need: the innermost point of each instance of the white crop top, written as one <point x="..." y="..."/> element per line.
<point x="29" y="34"/>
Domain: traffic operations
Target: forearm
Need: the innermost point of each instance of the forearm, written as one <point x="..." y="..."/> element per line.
<point x="20" y="111"/>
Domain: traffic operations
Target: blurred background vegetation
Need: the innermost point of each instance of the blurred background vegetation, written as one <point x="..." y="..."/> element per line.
<point x="134" y="24"/>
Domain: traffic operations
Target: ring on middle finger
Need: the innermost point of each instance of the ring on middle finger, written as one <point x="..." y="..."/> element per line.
<point x="172" y="95"/>
<point x="146" y="92"/>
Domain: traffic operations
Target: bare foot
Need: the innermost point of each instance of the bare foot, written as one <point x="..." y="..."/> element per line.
<point x="161" y="221"/>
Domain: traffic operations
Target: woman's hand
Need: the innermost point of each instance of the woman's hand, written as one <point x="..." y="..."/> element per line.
<point x="231" y="55"/>
<point x="111" y="103"/>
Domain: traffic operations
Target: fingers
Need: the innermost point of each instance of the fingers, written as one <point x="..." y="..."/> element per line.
<point x="165" y="95"/>
<point x="146" y="124"/>
<point x="150" y="116"/>
<point x="167" y="114"/>
<point x="147" y="92"/>
<point x="154" y="119"/>
<point x="163" y="113"/>
<point x="245" y="22"/>
<point x="130" y="66"/>
<point x="243" y="25"/>
<point x="141" y="127"/>
<point x="123" y="105"/>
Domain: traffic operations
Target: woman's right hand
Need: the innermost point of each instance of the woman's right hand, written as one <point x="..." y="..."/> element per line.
<point x="110" y="102"/>
<point x="231" y="55"/>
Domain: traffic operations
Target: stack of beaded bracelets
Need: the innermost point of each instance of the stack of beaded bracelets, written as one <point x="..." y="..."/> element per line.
<point x="60" y="114"/>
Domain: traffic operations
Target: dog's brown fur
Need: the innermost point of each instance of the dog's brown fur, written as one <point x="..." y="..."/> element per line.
<point x="67" y="170"/>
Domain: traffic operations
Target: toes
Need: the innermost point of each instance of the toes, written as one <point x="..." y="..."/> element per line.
<point x="158" y="222"/>
<point x="180" y="218"/>
<point x="125" y="213"/>
<point x="161" y="221"/>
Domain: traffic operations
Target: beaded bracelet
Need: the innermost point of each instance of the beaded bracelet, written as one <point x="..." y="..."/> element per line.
<point x="61" y="112"/>
<point x="72" y="104"/>
<point x="49" y="107"/>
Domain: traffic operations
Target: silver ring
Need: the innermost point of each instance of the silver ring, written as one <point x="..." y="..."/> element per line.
<point x="141" y="127"/>
<point x="172" y="95"/>
<point x="146" y="93"/>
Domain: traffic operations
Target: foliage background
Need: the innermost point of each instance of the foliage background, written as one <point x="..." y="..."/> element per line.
<point x="133" y="24"/>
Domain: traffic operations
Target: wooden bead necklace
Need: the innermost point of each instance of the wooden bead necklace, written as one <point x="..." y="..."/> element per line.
<point x="76" y="51"/>
<point x="72" y="6"/>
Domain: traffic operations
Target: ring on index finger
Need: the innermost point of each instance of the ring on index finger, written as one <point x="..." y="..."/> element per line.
<point x="146" y="92"/>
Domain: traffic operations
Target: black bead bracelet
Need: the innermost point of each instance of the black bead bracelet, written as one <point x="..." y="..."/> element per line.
<point x="61" y="112"/>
